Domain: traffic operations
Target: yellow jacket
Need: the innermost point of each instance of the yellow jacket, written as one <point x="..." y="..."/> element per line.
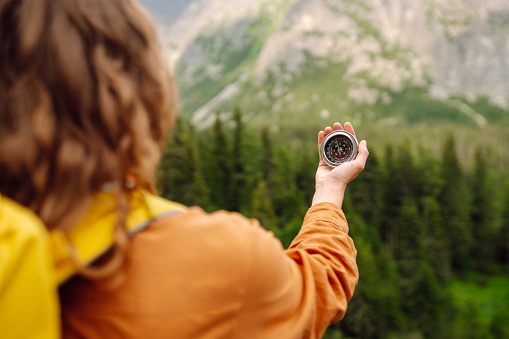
<point x="28" y="293"/>
<point x="34" y="262"/>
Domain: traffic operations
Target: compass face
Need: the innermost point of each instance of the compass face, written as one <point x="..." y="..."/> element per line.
<point x="338" y="147"/>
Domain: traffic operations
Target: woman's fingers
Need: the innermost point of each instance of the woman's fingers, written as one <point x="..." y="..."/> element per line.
<point x="321" y="136"/>
<point x="349" y="128"/>
<point x="362" y="155"/>
<point x="337" y="126"/>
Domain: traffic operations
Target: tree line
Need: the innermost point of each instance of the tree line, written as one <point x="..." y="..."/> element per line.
<point x="418" y="218"/>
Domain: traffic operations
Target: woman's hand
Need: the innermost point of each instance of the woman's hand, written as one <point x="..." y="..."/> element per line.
<point x="331" y="182"/>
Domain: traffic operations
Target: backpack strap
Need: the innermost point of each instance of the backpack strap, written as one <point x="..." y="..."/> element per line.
<point x="94" y="234"/>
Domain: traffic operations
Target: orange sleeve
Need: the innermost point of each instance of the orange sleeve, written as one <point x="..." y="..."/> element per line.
<point x="299" y="292"/>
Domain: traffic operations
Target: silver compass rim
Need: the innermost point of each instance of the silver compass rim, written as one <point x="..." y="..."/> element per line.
<point x="349" y="135"/>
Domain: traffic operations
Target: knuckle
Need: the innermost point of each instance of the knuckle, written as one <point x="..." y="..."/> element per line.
<point x="359" y="166"/>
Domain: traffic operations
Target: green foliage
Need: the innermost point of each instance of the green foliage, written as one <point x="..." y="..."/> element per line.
<point x="428" y="304"/>
<point x="219" y="174"/>
<point x="437" y="244"/>
<point x="481" y="216"/>
<point x="267" y="165"/>
<point x="503" y="234"/>
<point x="390" y="202"/>
<point x="180" y="174"/>
<point x="409" y="240"/>
<point x="484" y="297"/>
<point x="237" y="197"/>
<point x="261" y="207"/>
<point x="375" y="310"/>
<point x="367" y="191"/>
<point x="454" y="207"/>
<point x="468" y="323"/>
<point x="499" y="327"/>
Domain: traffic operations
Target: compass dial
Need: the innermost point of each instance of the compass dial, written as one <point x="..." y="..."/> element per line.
<point x="338" y="147"/>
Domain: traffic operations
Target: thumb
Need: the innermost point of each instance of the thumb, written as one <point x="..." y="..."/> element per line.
<point x="362" y="155"/>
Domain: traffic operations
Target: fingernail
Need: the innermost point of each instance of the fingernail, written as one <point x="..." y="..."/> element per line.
<point x="365" y="143"/>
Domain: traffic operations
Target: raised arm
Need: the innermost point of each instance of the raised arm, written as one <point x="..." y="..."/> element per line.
<point x="299" y="293"/>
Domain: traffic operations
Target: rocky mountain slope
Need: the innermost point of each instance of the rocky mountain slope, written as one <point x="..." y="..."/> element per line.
<point x="384" y="61"/>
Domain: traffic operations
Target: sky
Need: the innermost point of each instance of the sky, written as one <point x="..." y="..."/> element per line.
<point x="165" y="11"/>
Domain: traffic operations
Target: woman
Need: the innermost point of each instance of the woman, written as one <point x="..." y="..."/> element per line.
<point x="85" y="107"/>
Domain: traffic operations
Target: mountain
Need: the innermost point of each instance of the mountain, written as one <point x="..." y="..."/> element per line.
<point x="392" y="62"/>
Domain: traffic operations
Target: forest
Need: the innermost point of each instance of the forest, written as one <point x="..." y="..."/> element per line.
<point x="428" y="215"/>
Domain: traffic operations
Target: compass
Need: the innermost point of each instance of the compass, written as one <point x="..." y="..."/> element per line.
<point x="338" y="147"/>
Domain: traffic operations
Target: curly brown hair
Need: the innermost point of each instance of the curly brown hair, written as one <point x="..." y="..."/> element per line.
<point x="85" y="100"/>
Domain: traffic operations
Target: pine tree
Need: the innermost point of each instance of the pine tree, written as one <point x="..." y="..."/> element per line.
<point x="199" y="193"/>
<point x="220" y="167"/>
<point x="261" y="208"/>
<point x="267" y="165"/>
<point x="437" y="244"/>
<point x="375" y="309"/>
<point x="410" y="247"/>
<point x="503" y="233"/>
<point x="410" y="255"/>
<point x="428" y="176"/>
<point x="306" y="172"/>
<point x="366" y="192"/>
<point x="237" y="199"/>
<point x="400" y="186"/>
<point x="180" y="173"/>
<point x="406" y="172"/>
<point x="288" y="200"/>
<point x="391" y="202"/>
<point x="429" y="303"/>
<point x="468" y="324"/>
<point x="481" y="213"/>
<point x="175" y="171"/>
<point x="499" y="326"/>
<point x="452" y="201"/>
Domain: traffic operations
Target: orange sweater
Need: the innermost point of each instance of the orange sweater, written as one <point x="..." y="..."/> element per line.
<point x="220" y="275"/>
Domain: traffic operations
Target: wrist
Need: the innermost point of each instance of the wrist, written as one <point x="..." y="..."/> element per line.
<point x="329" y="191"/>
<point x="330" y="184"/>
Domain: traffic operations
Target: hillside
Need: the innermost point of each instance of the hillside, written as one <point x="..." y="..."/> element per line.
<point x="388" y="62"/>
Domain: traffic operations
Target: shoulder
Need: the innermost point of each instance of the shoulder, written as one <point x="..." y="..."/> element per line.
<point x="227" y="224"/>
<point x="260" y="253"/>
<point x="228" y="238"/>
<point x="218" y="250"/>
